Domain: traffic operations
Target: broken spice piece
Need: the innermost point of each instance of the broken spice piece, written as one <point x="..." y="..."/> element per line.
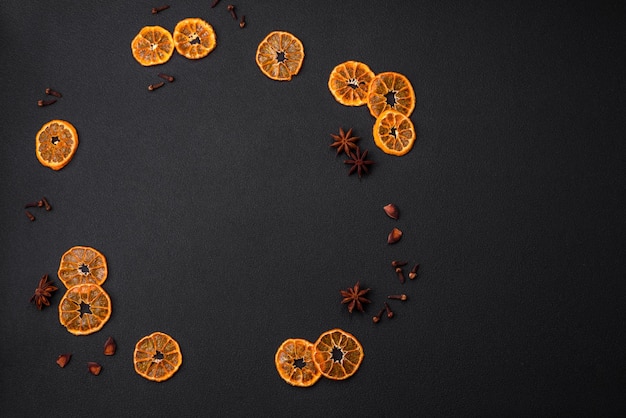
<point x="231" y="9"/>
<point x="54" y="93"/>
<point x="214" y="3"/>
<point x="389" y="312"/>
<point x="156" y="10"/>
<point x="167" y="77"/>
<point x="37" y="204"/>
<point x="94" y="368"/>
<point x="344" y="142"/>
<point x="46" y="204"/>
<point x="44" y="290"/>
<point x="30" y="215"/>
<point x="42" y="103"/>
<point x="398" y="297"/>
<point x="242" y="22"/>
<point x="355" y="297"/>
<point x="413" y="272"/>
<point x="392" y="211"/>
<point x="155" y="86"/>
<point x="359" y="162"/>
<point x="63" y="359"/>
<point x="109" y="347"/>
<point x="400" y="274"/>
<point x="394" y="236"/>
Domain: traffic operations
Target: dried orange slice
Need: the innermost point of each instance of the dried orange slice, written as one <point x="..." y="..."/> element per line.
<point x="84" y="309"/>
<point x="390" y="90"/>
<point x="153" y="45"/>
<point x="349" y="83"/>
<point x="194" y="38"/>
<point x="81" y="265"/>
<point x="157" y="357"/>
<point x="295" y="364"/>
<point x="56" y="144"/>
<point x="338" y="354"/>
<point x="394" y="132"/>
<point x="280" y="55"/>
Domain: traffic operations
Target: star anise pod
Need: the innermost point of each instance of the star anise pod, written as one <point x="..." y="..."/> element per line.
<point x="355" y="297"/>
<point x="344" y="141"/>
<point x="359" y="162"/>
<point x="43" y="292"/>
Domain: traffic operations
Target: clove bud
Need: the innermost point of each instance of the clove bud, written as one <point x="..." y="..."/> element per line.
<point x="413" y="272"/>
<point x="394" y="236"/>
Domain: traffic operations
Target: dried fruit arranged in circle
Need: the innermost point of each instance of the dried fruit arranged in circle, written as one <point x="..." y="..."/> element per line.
<point x="280" y="55"/>
<point x="82" y="265"/>
<point x="338" y="354"/>
<point x="157" y="357"/>
<point x="349" y="83"/>
<point x="153" y="45"/>
<point x="84" y="309"/>
<point x="295" y="364"/>
<point x="56" y="144"/>
<point x="394" y="133"/>
<point x="194" y="38"/>
<point x="390" y="90"/>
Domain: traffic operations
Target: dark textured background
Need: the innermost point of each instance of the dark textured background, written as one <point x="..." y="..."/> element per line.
<point x="229" y="223"/>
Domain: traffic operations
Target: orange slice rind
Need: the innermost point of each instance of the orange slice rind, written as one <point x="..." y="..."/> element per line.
<point x="390" y="90"/>
<point x="280" y="55"/>
<point x="56" y="144"/>
<point x="338" y="354"/>
<point x="84" y="309"/>
<point x="194" y="38"/>
<point x="349" y="83"/>
<point x="394" y="132"/>
<point x="157" y="357"/>
<point x="295" y="364"/>
<point x="81" y="265"/>
<point x="153" y="45"/>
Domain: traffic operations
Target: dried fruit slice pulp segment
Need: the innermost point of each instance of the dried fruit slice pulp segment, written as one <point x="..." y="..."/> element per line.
<point x="390" y="90"/>
<point x="81" y="265"/>
<point x="153" y="45"/>
<point x="84" y="309"/>
<point x="194" y="38"/>
<point x="394" y="132"/>
<point x="338" y="354"/>
<point x="157" y="357"/>
<point x="349" y="83"/>
<point x="280" y="55"/>
<point x="295" y="364"/>
<point x="56" y="144"/>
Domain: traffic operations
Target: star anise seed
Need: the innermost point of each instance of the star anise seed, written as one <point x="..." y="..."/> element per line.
<point x="43" y="292"/>
<point x="355" y="297"/>
<point x="359" y="162"/>
<point x="344" y="142"/>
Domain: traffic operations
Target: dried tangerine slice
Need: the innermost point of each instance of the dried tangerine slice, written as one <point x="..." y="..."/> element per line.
<point x="84" y="309"/>
<point x="157" y="357"/>
<point x="338" y="354"/>
<point x="280" y="55"/>
<point x="56" y="143"/>
<point x="153" y="45"/>
<point x="390" y="90"/>
<point x="394" y="132"/>
<point x="194" y="38"/>
<point x="81" y="265"/>
<point x="295" y="364"/>
<point x="349" y="83"/>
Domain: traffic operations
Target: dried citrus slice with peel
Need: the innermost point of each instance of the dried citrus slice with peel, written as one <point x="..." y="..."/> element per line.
<point x="390" y="90"/>
<point x="153" y="45"/>
<point x="81" y="265"/>
<point x="295" y="364"/>
<point x="157" y="357"/>
<point x="394" y="132"/>
<point x="338" y="354"/>
<point x="56" y="144"/>
<point x="194" y="38"/>
<point x="84" y="309"/>
<point x="349" y="83"/>
<point x="280" y="55"/>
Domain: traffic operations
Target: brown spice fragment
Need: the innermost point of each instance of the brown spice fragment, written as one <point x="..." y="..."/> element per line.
<point x="42" y="103"/>
<point x="413" y="272"/>
<point x="30" y="215"/>
<point x="156" y="10"/>
<point x="109" y="347"/>
<point x="94" y="368"/>
<point x="45" y="203"/>
<point x="54" y="93"/>
<point x="398" y="297"/>
<point x="63" y="359"/>
<point x="152" y="87"/>
<point x="394" y="236"/>
<point x="392" y="211"/>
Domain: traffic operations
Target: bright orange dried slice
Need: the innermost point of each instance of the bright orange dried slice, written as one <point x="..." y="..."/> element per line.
<point x="394" y="132"/>
<point x="349" y="83"/>
<point x="194" y="38"/>
<point x="84" y="309"/>
<point x="157" y="357"/>
<point x="81" y="265"/>
<point x="56" y="144"/>
<point x="295" y="364"/>
<point x="153" y="45"/>
<point x="338" y="354"/>
<point x="390" y="91"/>
<point x="280" y="55"/>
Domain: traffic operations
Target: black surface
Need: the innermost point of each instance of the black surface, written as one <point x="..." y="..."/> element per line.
<point x="229" y="223"/>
